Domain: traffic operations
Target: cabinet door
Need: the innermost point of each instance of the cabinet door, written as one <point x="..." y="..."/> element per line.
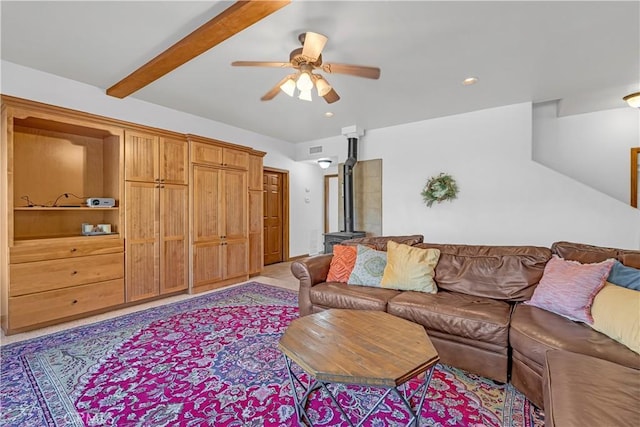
<point x="142" y="240"/>
<point x="207" y="263"/>
<point x="235" y="205"/>
<point x="174" y="226"/>
<point x="255" y="173"/>
<point x="207" y="204"/>
<point x="235" y="158"/>
<point x="174" y="161"/>
<point x="206" y="154"/>
<point x="256" y="254"/>
<point x="236" y="258"/>
<point x="141" y="157"/>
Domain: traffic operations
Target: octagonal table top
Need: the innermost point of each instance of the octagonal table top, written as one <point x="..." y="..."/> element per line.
<point x="363" y="347"/>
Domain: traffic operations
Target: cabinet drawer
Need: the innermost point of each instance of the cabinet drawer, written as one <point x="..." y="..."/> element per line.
<point x="41" y="250"/>
<point x="30" y="277"/>
<point x="44" y="307"/>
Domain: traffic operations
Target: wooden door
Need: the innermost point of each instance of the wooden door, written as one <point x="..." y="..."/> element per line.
<point x="174" y="241"/>
<point x="236" y="258"/>
<point x="273" y="196"/>
<point x="141" y="157"/>
<point x="142" y="251"/>
<point x="174" y="161"/>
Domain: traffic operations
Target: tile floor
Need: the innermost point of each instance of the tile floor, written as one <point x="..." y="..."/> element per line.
<point x="276" y="275"/>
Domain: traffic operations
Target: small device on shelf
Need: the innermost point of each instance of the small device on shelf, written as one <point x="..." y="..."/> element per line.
<point x="96" y="230"/>
<point x="101" y="202"/>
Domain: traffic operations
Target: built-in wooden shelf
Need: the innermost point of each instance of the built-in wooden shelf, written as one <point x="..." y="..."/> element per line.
<point x="63" y="208"/>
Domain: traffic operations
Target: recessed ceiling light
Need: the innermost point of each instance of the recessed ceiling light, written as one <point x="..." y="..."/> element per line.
<point x="328" y="114"/>
<point x="470" y="81"/>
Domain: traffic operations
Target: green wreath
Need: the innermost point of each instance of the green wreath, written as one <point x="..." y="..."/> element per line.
<point x="439" y="188"/>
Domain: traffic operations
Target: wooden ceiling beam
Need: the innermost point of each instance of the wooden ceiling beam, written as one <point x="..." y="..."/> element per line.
<point x="231" y="21"/>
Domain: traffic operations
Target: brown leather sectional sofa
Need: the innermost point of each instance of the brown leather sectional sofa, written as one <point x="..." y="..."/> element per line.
<point x="476" y="320"/>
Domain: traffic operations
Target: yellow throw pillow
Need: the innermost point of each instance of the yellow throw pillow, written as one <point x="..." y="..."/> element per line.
<point x="409" y="268"/>
<point x="616" y="313"/>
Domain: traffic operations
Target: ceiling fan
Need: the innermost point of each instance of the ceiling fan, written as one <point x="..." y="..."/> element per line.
<point x="305" y="60"/>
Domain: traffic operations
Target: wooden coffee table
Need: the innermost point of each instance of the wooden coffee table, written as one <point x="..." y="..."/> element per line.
<point x="369" y="348"/>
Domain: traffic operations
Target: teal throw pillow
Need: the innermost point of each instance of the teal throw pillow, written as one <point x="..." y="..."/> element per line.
<point x="369" y="267"/>
<point x="627" y="277"/>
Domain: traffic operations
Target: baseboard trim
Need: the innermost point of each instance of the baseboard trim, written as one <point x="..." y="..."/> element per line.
<point x="295" y="258"/>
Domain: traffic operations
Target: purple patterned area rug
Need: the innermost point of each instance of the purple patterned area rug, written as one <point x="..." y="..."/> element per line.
<point x="211" y="360"/>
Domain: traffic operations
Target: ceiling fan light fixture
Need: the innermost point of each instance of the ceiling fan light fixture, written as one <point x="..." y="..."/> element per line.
<point x="288" y="87"/>
<point x="322" y="86"/>
<point x="324" y="163"/>
<point x="633" y="99"/>
<point x="305" y="95"/>
<point x="304" y="82"/>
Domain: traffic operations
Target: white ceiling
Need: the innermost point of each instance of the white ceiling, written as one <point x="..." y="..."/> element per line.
<point x="584" y="52"/>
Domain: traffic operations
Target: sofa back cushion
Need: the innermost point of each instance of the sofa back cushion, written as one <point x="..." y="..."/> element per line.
<point x="507" y="273"/>
<point x="379" y="243"/>
<point x="587" y="254"/>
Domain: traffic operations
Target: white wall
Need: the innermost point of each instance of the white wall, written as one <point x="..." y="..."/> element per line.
<point x="505" y="197"/>
<point x="305" y="218"/>
<point x="593" y="148"/>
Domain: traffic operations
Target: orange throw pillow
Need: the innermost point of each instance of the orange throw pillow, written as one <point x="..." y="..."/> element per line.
<point x="342" y="263"/>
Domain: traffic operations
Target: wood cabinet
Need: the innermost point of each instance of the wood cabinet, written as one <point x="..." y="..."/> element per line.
<point x="51" y="162"/>
<point x="167" y="231"/>
<point x="256" y="252"/>
<point x="220" y="227"/>
<point x="157" y="219"/>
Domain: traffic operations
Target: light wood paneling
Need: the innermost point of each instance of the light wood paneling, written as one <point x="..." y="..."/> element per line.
<point x="255" y="172"/>
<point x="236" y="256"/>
<point x="255" y="232"/>
<point x="206" y="154"/>
<point x="235" y="159"/>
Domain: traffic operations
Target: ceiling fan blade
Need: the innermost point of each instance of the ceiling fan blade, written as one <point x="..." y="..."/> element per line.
<point x="261" y="64"/>
<point x="232" y="20"/>
<point x="274" y="90"/>
<point x="331" y="97"/>
<point x="353" y="70"/>
<point x="313" y="45"/>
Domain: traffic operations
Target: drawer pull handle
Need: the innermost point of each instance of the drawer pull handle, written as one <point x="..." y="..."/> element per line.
<point x="74" y="272"/>
<point x="75" y="301"/>
<point x="73" y="249"/>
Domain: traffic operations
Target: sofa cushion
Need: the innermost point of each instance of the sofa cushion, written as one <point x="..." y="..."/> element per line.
<point x="467" y="316"/>
<point x="500" y="272"/>
<point x="534" y="331"/>
<point x="341" y="295"/>
<point x="568" y="287"/>
<point x="380" y="242"/>
<point x="616" y="313"/>
<point x="585" y="391"/>
<point x="410" y="268"/>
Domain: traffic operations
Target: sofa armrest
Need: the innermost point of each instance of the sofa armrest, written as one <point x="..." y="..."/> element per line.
<point x="310" y="271"/>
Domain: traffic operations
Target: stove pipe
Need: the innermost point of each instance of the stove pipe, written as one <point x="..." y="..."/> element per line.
<point x="352" y="159"/>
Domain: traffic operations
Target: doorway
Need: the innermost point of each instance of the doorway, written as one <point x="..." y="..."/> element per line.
<point x="331" y="197"/>
<point x="275" y="215"/>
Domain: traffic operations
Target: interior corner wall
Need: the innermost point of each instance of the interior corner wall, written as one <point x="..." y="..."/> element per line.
<point x="505" y="197"/>
<point x="593" y="148"/>
<point x="305" y="219"/>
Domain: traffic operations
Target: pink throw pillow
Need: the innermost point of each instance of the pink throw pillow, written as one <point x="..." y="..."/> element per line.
<point x="568" y="287"/>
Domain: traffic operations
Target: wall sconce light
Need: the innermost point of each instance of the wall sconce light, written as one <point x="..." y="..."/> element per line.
<point x="633" y="100"/>
<point x="324" y="163"/>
